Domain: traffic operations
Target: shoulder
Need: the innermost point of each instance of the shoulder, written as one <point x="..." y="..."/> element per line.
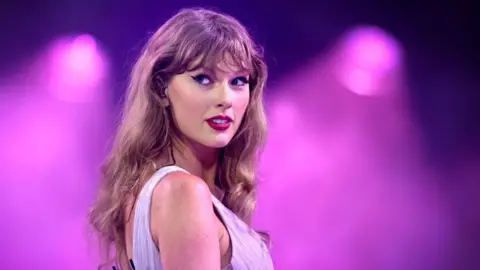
<point x="180" y="198"/>
<point x="183" y="223"/>
<point x="179" y="187"/>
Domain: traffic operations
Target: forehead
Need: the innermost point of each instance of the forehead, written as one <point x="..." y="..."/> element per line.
<point x="226" y="64"/>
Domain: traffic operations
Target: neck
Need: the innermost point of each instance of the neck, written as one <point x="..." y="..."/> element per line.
<point x="198" y="160"/>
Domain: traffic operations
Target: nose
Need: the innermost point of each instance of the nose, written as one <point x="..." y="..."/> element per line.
<point x="224" y="96"/>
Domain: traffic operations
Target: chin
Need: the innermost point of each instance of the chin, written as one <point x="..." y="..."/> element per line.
<point x="218" y="141"/>
<point x="217" y="144"/>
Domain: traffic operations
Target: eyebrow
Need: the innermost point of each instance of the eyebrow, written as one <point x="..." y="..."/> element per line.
<point x="240" y="72"/>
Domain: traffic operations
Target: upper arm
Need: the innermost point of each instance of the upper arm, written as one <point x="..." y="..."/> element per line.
<point x="184" y="224"/>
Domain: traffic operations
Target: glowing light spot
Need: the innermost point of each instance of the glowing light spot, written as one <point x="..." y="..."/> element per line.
<point x="78" y="69"/>
<point x="368" y="55"/>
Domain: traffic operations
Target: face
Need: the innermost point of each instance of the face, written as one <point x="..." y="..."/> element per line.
<point x="209" y="104"/>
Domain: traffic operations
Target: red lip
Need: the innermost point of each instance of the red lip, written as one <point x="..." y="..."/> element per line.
<point x="224" y="124"/>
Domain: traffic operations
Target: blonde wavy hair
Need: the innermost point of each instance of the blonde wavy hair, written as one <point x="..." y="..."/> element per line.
<point x="191" y="39"/>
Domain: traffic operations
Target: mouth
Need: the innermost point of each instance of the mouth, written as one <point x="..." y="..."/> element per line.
<point x="219" y="123"/>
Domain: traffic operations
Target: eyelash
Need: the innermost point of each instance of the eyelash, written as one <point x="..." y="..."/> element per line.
<point x="199" y="78"/>
<point x="243" y="80"/>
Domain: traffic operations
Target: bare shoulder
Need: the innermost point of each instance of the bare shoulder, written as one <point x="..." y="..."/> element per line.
<point x="183" y="222"/>
<point x="179" y="189"/>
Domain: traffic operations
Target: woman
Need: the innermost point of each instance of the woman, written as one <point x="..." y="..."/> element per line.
<point x="179" y="185"/>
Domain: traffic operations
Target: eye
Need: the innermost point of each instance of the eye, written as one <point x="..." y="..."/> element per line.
<point x="202" y="79"/>
<point x="240" y="81"/>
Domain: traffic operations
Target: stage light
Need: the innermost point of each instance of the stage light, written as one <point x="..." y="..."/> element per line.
<point x="368" y="56"/>
<point x="78" y="69"/>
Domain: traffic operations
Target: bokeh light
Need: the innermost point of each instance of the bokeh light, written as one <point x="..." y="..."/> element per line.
<point x="78" y="68"/>
<point x="369" y="56"/>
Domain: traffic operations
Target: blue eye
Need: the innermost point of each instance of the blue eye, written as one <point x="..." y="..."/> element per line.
<point x="202" y="79"/>
<point x="240" y="81"/>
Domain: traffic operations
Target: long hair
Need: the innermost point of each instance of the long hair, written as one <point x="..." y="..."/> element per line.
<point x="193" y="36"/>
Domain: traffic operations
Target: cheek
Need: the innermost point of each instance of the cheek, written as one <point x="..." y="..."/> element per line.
<point x="242" y="103"/>
<point x="187" y="110"/>
<point x="183" y="108"/>
<point x="185" y="100"/>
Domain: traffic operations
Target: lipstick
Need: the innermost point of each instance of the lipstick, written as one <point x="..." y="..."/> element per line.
<point x="219" y="122"/>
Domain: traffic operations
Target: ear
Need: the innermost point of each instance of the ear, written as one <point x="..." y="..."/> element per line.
<point x="165" y="101"/>
<point x="161" y="87"/>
